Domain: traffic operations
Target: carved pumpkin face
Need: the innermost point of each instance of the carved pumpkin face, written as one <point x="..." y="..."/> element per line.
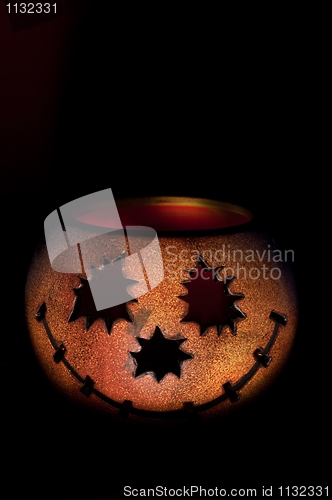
<point x="211" y="335"/>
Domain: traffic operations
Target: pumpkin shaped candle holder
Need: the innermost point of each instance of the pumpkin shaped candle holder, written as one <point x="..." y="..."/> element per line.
<point x="209" y="332"/>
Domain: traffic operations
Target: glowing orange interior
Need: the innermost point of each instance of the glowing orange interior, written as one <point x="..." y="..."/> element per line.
<point x="171" y="216"/>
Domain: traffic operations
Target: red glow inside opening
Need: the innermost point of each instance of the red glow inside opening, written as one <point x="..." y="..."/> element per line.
<point x="169" y="217"/>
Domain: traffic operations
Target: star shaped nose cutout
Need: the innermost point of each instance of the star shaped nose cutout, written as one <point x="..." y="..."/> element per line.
<point x="160" y="356"/>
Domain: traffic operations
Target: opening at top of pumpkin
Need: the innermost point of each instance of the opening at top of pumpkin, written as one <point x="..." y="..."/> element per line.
<point x="168" y="214"/>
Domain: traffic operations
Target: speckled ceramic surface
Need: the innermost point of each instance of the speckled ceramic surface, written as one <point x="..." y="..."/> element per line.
<point x="211" y="336"/>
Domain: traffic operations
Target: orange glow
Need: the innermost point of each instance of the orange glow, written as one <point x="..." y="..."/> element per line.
<point x="176" y="216"/>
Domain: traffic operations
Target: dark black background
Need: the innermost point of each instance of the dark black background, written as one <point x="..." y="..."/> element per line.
<point x="177" y="117"/>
